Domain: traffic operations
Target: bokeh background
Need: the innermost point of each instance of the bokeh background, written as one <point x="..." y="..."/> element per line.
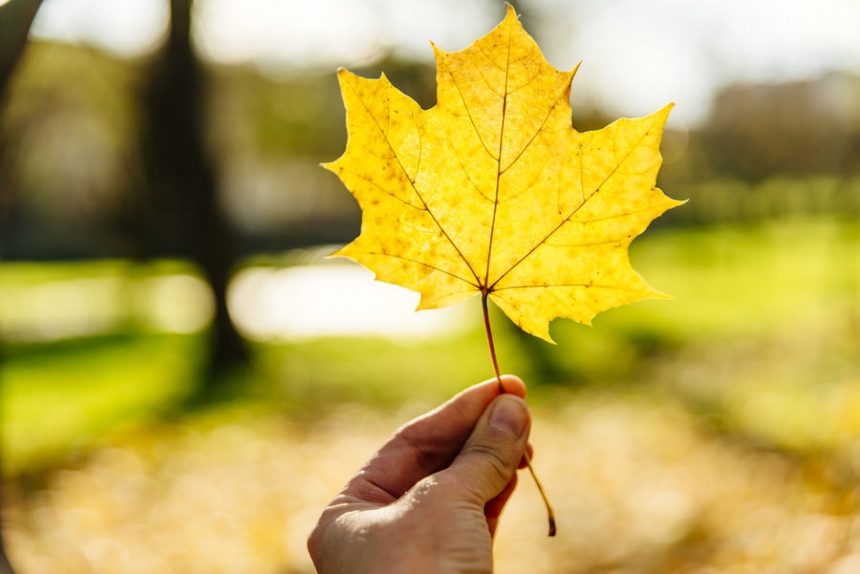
<point x="186" y="379"/>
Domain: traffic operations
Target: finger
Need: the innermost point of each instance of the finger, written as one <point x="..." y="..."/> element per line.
<point x="531" y="456"/>
<point x="426" y="444"/>
<point x="493" y="509"/>
<point x="493" y="452"/>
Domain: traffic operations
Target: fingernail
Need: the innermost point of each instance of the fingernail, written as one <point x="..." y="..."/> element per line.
<point x="509" y="415"/>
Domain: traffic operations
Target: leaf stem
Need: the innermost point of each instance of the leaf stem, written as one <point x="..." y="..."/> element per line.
<point x="549" y="511"/>
<point x="490" y="341"/>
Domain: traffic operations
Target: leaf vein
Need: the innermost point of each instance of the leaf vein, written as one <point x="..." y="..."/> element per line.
<point x="537" y="132"/>
<point x="569" y="285"/>
<point x="573" y="212"/>
<point x="413" y="186"/>
<point x="425" y="264"/>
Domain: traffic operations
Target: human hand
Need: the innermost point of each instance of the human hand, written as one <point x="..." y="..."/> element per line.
<point x="429" y="500"/>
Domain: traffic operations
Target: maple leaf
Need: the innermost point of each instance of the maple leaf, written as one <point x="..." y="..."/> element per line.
<point x="493" y="192"/>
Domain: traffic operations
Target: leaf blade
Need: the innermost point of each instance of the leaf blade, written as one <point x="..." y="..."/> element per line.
<point x="493" y="191"/>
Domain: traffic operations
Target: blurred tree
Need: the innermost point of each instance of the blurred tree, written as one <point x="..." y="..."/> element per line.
<point x="797" y="128"/>
<point x="69" y="144"/>
<point x="16" y="16"/>
<point x="180" y="215"/>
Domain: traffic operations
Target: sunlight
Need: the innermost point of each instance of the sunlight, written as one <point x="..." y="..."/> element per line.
<point x="128" y="29"/>
<point x="299" y="303"/>
<point x="56" y="310"/>
<point x="64" y="308"/>
<point x="177" y="303"/>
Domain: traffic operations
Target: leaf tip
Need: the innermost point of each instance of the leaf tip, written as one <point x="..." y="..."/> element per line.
<point x="438" y="53"/>
<point x="546" y="338"/>
<point x="539" y="331"/>
<point x="331" y="166"/>
<point x="336" y="253"/>
<point x="657" y="294"/>
<point x="663" y="113"/>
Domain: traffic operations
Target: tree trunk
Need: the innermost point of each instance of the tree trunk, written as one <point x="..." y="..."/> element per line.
<point x="182" y="216"/>
<point x="16" y="17"/>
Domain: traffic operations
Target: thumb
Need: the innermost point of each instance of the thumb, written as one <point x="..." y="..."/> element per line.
<point x="491" y="455"/>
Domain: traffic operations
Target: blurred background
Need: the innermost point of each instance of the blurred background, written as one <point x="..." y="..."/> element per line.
<point x="186" y="379"/>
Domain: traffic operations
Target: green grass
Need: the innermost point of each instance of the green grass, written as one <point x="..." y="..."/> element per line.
<point x="746" y="298"/>
<point x="744" y="280"/>
<point x="64" y="397"/>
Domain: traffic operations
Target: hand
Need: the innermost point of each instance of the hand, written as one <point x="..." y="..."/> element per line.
<point x="429" y="500"/>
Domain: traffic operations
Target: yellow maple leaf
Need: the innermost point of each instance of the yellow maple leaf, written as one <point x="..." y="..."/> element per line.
<point x="493" y="192"/>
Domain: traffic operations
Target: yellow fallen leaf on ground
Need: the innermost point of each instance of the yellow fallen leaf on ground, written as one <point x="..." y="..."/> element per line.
<point x="493" y="192"/>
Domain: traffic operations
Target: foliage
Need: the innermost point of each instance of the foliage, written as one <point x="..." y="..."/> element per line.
<point x="270" y="132"/>
<point x="492" y="191"/>
<point x="799" y="129"/>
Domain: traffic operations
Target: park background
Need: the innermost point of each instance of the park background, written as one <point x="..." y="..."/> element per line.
<point x="186" y="379"/>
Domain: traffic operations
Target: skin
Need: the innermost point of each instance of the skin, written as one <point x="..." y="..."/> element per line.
<point x="429" y="500"/>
